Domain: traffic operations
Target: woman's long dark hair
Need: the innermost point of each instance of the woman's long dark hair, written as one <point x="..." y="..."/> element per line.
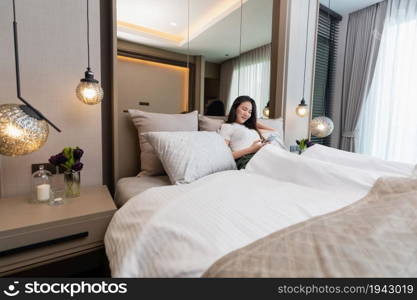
<point x="249" y="123"/>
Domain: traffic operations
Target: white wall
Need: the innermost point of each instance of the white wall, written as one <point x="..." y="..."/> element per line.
<point x="52" y="45"/>
<point x="295" y="126"/>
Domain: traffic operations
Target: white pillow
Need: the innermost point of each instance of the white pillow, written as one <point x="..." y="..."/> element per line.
<point x="277" y="124"/>
<point x="189" y="155"/>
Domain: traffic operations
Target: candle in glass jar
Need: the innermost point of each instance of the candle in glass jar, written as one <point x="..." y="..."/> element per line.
<point x="43" y="191"/>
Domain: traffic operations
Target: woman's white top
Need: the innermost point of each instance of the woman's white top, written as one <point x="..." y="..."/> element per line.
<point x="238" y="135"/>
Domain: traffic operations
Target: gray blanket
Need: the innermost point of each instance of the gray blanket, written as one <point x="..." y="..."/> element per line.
<point x="374" y="237"/>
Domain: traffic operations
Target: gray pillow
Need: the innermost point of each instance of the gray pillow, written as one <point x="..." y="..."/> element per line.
<point x="151" y="122"/>
<point x="188" y="156"/>
<point x="210" y="123"/>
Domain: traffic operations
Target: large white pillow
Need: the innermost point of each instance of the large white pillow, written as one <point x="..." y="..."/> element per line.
<point x="188" y="155"/>
<point x="150" y="122"/>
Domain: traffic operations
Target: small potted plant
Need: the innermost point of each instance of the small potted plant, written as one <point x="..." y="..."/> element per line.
<point x="69" y="160"/>
<point x="303" y="144"/>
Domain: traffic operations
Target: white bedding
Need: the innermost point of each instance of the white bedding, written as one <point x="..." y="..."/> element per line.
<point x="179" y="231"/>
<point x="361" y="161"/>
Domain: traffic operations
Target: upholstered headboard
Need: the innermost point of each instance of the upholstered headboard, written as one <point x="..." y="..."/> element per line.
<point x="127" y="154"/>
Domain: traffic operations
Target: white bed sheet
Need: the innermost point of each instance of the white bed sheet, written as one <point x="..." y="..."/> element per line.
<point x="360" y="161"/>
<point x="180" y="231"/>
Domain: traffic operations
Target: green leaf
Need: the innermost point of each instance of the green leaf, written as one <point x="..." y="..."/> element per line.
<point x="69" y="154"/>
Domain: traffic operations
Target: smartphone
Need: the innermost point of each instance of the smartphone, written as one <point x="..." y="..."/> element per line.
<point x="270" y="139"/>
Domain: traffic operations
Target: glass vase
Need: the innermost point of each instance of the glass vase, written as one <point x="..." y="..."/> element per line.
<point x="41" y="186"/>
<point x="72" y="184"/>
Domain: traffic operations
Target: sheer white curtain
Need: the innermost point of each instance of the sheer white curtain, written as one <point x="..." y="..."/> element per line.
<point x="387" y="127"/>
<point x="255" y="68"/>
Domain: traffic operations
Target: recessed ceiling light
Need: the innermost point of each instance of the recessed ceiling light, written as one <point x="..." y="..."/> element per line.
<point x="173" y="24"/>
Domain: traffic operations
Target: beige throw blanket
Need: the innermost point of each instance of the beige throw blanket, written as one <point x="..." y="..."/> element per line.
<point x="374" y="237"/>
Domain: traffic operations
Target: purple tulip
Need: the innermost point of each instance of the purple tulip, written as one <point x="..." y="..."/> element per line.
<point x="77" y="166"/>
<point x="309" y="144"/>
<point x="58" y="159"/>
<point x="78" y="153"/>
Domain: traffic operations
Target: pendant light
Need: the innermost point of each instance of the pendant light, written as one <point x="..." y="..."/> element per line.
<point x="89" y="90"/>
<point x="321" y="127"/>
<point x="265" y="111"/>
<point x="302" y="108"/>
<point x="23" y="129"/>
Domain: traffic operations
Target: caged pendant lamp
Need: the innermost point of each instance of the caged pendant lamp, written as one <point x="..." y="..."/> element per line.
<point x="23" y="129"/>
<point x="89" y="90"/>
<point x="302" y="108"/>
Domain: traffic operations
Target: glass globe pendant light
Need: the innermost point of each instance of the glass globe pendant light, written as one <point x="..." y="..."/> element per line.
<point x="302" y="108"/>
<point x="265" y="111"/>
<point x="23" y="129"/>
<point x="321" y="127"/>
<point x="89" y="90"/>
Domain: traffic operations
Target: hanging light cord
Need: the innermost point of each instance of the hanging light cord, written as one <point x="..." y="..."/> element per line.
<point x="240" y="46"/>
<point x="305" y="54"/>
<point x="88" y="35"/>
<point x="188" y="33"/>
<point x="33" y="112"/>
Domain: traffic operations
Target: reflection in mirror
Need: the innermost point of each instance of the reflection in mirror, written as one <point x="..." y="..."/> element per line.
<point x="365" y="80"/>
<point x="152" y="55"/>
<point x="229" y="58"/>
<point x="237" y="53"/>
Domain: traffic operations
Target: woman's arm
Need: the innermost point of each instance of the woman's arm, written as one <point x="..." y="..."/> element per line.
<point x="251" y="149"/>
<point x="264" y="127"/>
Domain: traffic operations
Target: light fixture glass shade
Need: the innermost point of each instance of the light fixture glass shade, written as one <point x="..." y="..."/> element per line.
<point x="265" y="112"/>
<point x="321" y="127"/>
<point x="20" y="133"/>
<point x="89" y="92"/>
<point x="302" y="109"/>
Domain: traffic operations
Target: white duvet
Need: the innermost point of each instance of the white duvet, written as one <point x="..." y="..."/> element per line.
<point x="180" y="231"/>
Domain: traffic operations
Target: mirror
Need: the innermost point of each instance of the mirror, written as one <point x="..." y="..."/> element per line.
<point x="237" y="52"/>
<point x="228" y="52"/>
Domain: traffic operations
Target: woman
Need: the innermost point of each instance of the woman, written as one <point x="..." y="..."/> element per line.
<point x="242" y="131"/>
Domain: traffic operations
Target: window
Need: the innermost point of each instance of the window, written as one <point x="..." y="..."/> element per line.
<point x="254" y="69"/>
<point x="387" y="127"/>
<point x="325" y="66"/>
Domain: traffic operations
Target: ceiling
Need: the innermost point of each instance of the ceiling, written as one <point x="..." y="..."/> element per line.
<point x="214" y="25"/>
<point x="344" y="7"/>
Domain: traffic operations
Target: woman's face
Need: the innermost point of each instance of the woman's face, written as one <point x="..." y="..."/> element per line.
<point x="243" y="112"/>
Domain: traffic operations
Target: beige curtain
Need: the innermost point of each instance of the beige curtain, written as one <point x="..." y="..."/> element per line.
<point x="362" y="45"/>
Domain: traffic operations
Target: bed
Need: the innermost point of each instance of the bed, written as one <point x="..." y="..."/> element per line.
<point x="127" y="187"/>
<point x="182" y="230"/>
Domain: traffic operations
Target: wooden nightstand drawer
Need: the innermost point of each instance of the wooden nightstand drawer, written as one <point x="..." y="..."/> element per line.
<point x="54" y="233"/>
<point x="52" y="243"/>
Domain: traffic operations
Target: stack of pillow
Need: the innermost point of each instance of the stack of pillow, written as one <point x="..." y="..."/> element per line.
<point x="185" y="146"/>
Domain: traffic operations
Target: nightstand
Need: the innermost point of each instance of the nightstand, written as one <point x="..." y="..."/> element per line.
<point x="35" y="235"/>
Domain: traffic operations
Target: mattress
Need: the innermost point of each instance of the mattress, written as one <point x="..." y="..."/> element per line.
<point x="130" y="186"/>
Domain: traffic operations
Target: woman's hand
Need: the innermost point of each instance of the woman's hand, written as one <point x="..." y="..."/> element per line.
<point x="256" y="145"/>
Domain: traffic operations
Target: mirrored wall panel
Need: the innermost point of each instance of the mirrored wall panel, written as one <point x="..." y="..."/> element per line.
<point x="224" y="47"/>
